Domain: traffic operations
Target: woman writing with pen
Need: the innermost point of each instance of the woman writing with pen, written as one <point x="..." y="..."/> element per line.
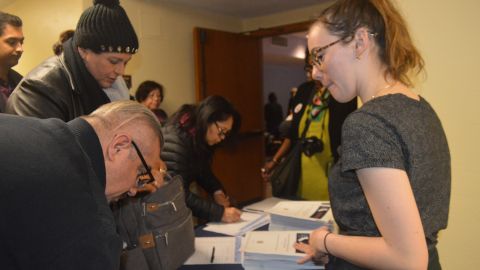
<point x="191" y="136"/>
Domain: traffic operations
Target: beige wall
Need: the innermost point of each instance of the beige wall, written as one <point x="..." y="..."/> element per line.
<point x="446" y="32"/>
<point x="43" y="21"/>
<point x="166" y="47"/>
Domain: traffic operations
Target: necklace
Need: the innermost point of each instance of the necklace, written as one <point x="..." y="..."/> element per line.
<point x="388" y="86"/>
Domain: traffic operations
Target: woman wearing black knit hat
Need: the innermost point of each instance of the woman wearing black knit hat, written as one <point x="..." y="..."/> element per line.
<point x="87" y="74"/>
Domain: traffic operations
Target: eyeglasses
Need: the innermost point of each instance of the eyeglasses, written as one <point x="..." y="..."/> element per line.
<point x="222" y="133"/>
<point x="316" y="56"/>
<point x="147" y="176"/>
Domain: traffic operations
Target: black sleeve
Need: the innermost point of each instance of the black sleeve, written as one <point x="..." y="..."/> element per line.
<point x="204" y="209"/>
<point x="178" y="155"/>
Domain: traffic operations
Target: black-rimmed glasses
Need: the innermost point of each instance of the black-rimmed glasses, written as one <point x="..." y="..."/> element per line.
<point x="141" y="181"/>
<point x="221" y="132"/>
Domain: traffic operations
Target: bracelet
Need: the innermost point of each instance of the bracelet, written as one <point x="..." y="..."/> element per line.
<point x="275" y="161"/>
<point x="325" y="243"/>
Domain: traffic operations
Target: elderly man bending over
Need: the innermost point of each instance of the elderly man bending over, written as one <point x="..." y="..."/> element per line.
<point x="57" y="180"/>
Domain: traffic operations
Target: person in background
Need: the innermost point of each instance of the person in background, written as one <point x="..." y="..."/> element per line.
<point x="191" y="135"/>
<point x="11" y="49"/>
<point x="64" y="36"/>
<point x="87" y="74"/>
<point x="312" y="101"/>
<point x="273" y="115"/>
<point x="390" y="189"/>
<point x="58" y="178"/>
<point x="151" y="94"/>
<point x="293" y="92"/>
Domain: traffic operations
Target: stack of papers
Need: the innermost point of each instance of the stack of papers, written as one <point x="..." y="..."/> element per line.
<point x="216" y="250"/>
<point x="274" y="250"/>
<point x="300" y="215"/>
<point x="248" y="222"/>
<point x="263" y="206"/>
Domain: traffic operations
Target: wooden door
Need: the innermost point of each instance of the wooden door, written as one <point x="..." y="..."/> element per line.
<point x="230" y="65"/>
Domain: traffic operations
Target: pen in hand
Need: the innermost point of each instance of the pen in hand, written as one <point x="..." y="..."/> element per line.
<point x="213" y="255"/>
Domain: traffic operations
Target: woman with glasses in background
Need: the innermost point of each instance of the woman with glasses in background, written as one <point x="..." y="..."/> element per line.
<point x="191" y="135"/>
<point x="390" y="189"/>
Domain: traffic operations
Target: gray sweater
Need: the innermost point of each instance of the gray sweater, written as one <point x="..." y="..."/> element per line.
<point x="392" y="131"/>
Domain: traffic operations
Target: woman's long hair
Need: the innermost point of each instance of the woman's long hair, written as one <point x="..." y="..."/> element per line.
<point x="194" y="121"/>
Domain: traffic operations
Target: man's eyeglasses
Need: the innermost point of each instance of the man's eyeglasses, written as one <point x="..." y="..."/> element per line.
<point x="222" y="133"/>
<point x="147" y="176"/>
<point x="317" y="54"/>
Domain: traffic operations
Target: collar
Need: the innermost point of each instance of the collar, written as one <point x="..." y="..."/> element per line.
<point x="88" y="139"/>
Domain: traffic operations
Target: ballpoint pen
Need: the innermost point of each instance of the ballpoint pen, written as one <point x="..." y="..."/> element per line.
<point x="213" y="255"/>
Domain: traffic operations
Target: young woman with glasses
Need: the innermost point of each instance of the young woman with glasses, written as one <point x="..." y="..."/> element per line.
<point x="191" y="135"/>
<point x="390" y="189"/>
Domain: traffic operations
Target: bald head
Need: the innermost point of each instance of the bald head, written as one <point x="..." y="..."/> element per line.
<point x="117" y="125"/>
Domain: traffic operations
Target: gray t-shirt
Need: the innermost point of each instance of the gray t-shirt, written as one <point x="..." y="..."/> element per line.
<point x="392" y="131"/>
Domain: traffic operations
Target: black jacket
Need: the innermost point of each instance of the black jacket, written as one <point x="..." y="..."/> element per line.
<point x="60" y="87"/>
<point x="181" y="159"/>
<point x="338" y="113"/>
<point x="53" y="210"/>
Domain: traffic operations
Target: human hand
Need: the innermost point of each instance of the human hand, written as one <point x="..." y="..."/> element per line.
<point x="148" y="185"/>
<point x="315" y="249"/>
<point x="266" y="170"/>
<point x="231" y="214"/>
<point x="221" y="198"/>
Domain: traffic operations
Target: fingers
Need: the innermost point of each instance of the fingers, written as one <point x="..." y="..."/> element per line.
<point x="222" y="199"/>
<point x="311" y="254"/>
<point x="231" y="214"/>
<point x="304" y="259"/>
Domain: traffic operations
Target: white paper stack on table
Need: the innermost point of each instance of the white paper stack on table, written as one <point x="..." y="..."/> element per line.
<point x="274" y="250"/>
<point x="300" y="215"/>
<point x="263" y="205"/>
<point x="248" y="222"/>
<point x="216" y="250"/>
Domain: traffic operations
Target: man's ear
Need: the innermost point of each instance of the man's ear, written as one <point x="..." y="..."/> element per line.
<point x="362" y="41"/>
<point x="118" y="144"/>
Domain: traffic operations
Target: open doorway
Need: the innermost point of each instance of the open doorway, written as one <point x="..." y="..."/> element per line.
<point x="283" y="70"/>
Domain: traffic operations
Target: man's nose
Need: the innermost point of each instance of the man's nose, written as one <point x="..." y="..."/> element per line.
<point x="19" y="48"/>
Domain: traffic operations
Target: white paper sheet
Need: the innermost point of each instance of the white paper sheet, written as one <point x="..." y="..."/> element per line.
<point x="248" y="222"/>
<point x="227" y="250"/>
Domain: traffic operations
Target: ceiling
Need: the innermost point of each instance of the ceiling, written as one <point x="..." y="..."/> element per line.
<point x="244" y="8"/>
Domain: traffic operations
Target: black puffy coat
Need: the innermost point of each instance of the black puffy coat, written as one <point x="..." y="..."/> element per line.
<point x="181" y="159"/>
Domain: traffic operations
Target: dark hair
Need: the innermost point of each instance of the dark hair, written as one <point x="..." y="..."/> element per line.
<point x="145" y="88"/>
<point x="396" y="49"/>
<point x="198" y="118"/>
<point x="6" y="18"/>
<point x="64" y="36"/>
<point x="272" y="97"/>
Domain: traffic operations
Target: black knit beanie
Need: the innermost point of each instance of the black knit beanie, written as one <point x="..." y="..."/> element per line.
<point x="105" y="27"/>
